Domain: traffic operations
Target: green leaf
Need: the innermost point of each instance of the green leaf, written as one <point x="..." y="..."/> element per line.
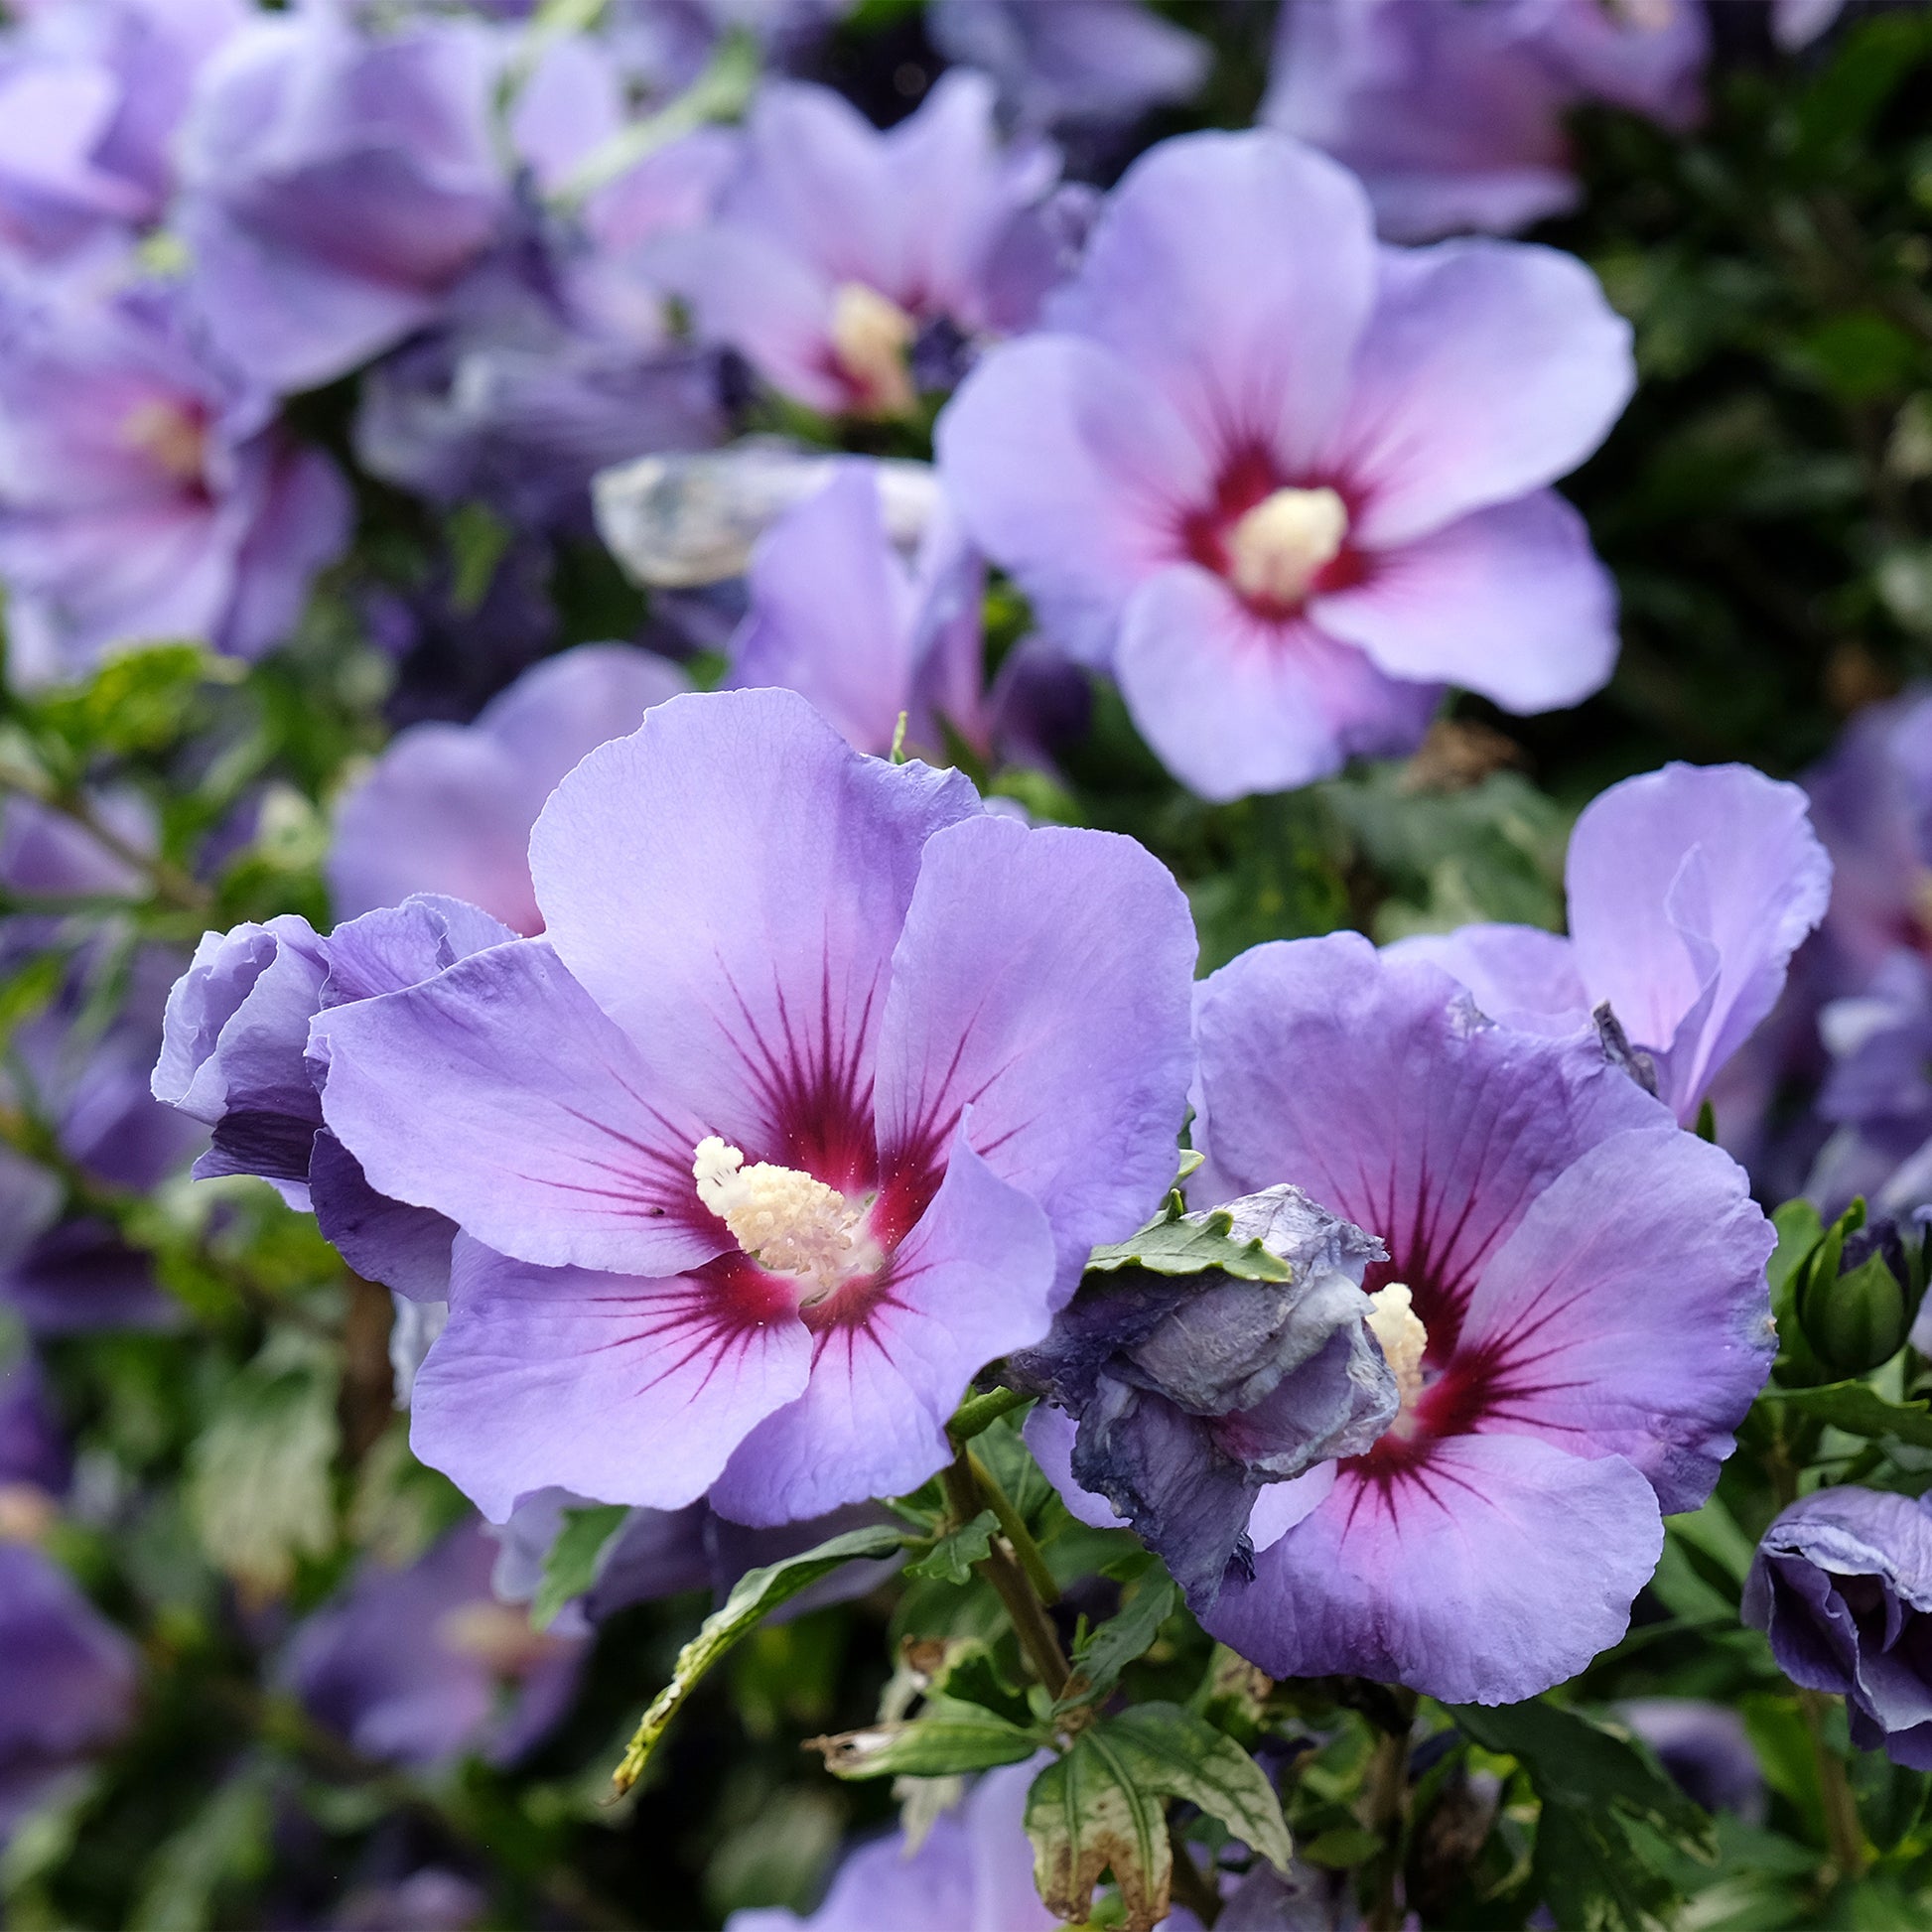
<point x="1800" y="1232"/>
<point x="1087" y="1816"/>
<point x="1190" y="1244"/>
<point x="571" y="1566"/>
<point x="1593" y="1786"/>
<point x="139" y="700"/>
<point x="260" y="1478"/>
<point x="970" y="1675"/>
<point x="1572" y="1761"/>
<point x="753" y="1597"/>
<point x="1098" y="1663"/>
<point x="1180" y="1755"/>
<point x="945" y="1741"/>
<point x="951" y="1559"/>
<point x="225" y="1842"/>
<point x="1859" y="1410"/>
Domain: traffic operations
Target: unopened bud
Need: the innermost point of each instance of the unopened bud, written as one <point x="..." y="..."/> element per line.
<point x="1857" y="1299"/>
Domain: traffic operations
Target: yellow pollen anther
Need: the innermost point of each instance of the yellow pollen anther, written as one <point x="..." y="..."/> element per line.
<point x="170" y="435"/>
<point x="1404" y="1339"/>
<point x="788" y="1221"/>
<point x="872" y="337"/>
<point x="1277" y="550"/>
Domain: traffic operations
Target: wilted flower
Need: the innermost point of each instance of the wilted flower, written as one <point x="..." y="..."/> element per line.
<point x="1689" y="891"/>
<point x="92" y="92"/>
<point x="1193" y="1392"/>
<point x="1588" y="1321"/>
<point x="836" y="247"/>
<point x="145" y="491"/>
<point x="812" y="1099"/>
<point x="448" y="808"/>
<point x="838" y="615"/>
<point x="407" y="1664"/>
<point x="1842" y="1583"/>
<point x="1453" y="115"/>
<point x="234" y="1056"/>
<point x="974" y="1869"/>
<point x="337" y="184"/>
<point x="1283" y="483"/>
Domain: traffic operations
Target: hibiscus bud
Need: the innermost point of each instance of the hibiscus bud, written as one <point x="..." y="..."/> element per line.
<point x="1858" y="1294"/>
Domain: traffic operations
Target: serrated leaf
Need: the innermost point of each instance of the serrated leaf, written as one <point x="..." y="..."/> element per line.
<point x="947" y="1739"/>
<point x="571" y="1566"/>
<point x="1108" y="1650"/>
<point x="1087" y="1815"/>
<point x="1180" y="1755"/>
<point x="1191" y="1244"/>
<point x="753" y="1597"/>
<point x="951" y="1559"/>
<point x="1859" y="1410"/>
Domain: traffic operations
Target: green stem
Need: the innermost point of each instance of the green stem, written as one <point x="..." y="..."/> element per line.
<point x="1028" y="1615"/>
<point x="978" y="1413"/>
<point x="1014" y="1528"/>
<point x="1385" y="1807"/>
<point x="1843" y="1832"/>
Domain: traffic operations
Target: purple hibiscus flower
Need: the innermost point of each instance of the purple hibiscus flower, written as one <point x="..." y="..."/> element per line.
<point x="1842" y="1583"/>
<point x="145" y="491"/>
<point x="1453" y="115"/>
<point x="67" y="1680"/>
<point x="92" y="92"/>
<point x="972" y="1873"/>
<point x="837" y="249"/>
<point x="1689" y="891"/>
<point x="448" y="808"/>
<point x="812" y="1099"/>
<point x="1283" y="483"/>
<point x="1096" y="61"/>
<point x="337" y="184"/>
<point x="1573" y="1306"/>
<point x="407" y="1664"/>
<point x="233" y="1055"/>
<point x="838" y="614"/>
<point x="1706" y="1750"/>
<point x="1877" y="1091"/>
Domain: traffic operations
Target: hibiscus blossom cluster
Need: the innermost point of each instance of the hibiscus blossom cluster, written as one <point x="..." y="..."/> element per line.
<point x="865" y="878"/>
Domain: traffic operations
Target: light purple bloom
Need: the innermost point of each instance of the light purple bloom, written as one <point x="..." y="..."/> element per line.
<point x="1589" y="1320"/>
<point x="1872" y="801"/>
<point x="67" y="1680"/>
<point x="812" y="1099"/>
<point x="974" y="1872"/>
<point x="448" y="808"/>
<point x="233" y="1055"/>
<point x="1453" y="116"/>
<point x="1878" y="1092"/>
<point x="1193" y="1392"/>
<point x="1689" y="891"/>
<point x="144" y="492"/>
<point x="835" y="246"/>
<point x="837" y="614"/>
<point x="337" y="186"/>
<point x="31" y="1451"/>
<point x="1841" y="1584"/>
<point x="1079" y="61"/>
<point x="1284" y="482"/>
<point x="92" y="92"/>
<point x="1797" y="23"/>
<point x="407" y="1664"/>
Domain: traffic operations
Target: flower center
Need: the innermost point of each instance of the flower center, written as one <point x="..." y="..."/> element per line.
<point x="172" y="437"/>
<point x="496" y="1635"/>
<point x="1281" y="546"/>
<point x="788" y="1221"/>
<point x="871" y="337"/>
<point x="26" y="1513"/>
<point x="1404" y="1340"/>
